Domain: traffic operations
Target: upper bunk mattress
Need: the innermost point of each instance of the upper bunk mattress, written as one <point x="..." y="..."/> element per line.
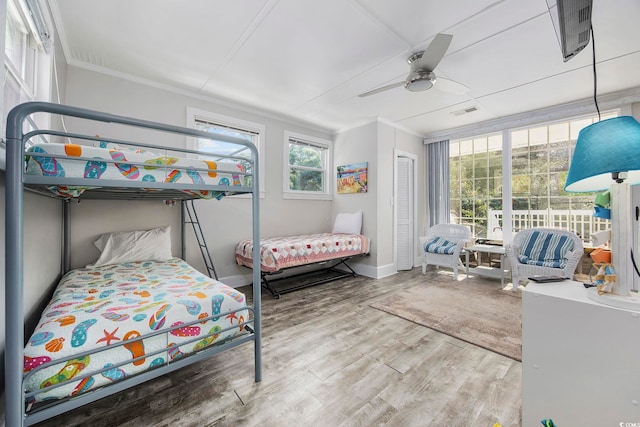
<point x="95" y="307"/>
<point x="278" y="253"/>
<point x="123" y="164"/>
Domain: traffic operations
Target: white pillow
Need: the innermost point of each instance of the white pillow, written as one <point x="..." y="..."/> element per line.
<point x="129" y="246"/>
<point x="350" y="223"/>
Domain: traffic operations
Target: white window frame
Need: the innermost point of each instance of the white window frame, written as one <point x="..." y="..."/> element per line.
<point x="507" y="154"/>
<point x="327" y="193"/>
<point x="32" y="76"/>
<point x="258" y="129"/>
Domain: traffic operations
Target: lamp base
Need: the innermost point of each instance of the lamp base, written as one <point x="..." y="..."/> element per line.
<point x="631" y="302"/>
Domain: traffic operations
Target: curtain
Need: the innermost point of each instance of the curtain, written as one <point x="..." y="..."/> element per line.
<point x="438" y="182"/>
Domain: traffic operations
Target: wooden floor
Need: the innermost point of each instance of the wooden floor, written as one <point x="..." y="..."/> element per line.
<point x="329" y="360"/>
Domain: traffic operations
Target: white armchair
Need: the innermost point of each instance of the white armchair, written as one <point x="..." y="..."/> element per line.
<point x="443" y="244"/>
<point x="543" y="252"/>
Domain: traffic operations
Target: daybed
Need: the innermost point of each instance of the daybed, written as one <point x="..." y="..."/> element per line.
<point x="127" y="318"/>
<point x="280" y="253"/>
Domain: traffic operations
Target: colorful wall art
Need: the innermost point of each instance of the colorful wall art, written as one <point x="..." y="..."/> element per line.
<point x="352" y="178"/>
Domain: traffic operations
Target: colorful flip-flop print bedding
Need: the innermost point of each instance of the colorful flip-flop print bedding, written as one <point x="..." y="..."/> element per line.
<point x="278" y="253"/>
<point x="70" y="161"/>
<point x="96" y="307"/>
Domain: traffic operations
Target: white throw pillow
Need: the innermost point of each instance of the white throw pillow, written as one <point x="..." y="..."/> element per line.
<point x="349" y="223"/>
<point x="130" y="246"/>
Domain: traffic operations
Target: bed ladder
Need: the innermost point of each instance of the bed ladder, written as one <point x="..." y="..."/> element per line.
<point x="191" y="217"/>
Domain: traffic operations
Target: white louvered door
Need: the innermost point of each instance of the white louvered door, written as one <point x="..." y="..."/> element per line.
<point x="404" y="213"/>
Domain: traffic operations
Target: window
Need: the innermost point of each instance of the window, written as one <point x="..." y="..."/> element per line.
<point x="540" y="158"/>
<point x="307" y="172"/>
<point x="230" y="126"/>
<point x="476" y="183"/>
<point x="27" y="66"/>
<point x="20" y="56"/>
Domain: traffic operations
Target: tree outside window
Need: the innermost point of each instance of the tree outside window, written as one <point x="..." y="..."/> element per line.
<point x="306" y="169"/>
<point x="540" y="162"/>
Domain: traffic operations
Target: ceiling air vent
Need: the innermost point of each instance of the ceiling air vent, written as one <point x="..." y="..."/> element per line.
<point x="572" y="22"/>
<point x="464" y="111"/>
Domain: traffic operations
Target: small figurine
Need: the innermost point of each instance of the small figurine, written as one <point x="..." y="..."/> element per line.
<point x="609" y="280"/>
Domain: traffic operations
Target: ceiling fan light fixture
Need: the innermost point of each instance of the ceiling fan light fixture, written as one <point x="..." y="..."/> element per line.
<point x="420" y="81"/>
<point x="421" y="65"/>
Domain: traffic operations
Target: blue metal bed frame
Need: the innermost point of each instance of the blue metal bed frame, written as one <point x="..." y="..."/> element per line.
<point x="16" y="183"/>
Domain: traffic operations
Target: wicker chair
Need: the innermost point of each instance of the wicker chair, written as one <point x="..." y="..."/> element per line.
<point x="442" y="246"/>
<point x="543" y="252"/>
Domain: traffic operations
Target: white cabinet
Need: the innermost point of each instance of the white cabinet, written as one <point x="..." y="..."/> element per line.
<point x="580" y="359"/>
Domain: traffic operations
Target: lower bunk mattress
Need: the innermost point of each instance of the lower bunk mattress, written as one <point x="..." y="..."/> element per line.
<point x="93" y="308"/>
<point x="278" y="253"/>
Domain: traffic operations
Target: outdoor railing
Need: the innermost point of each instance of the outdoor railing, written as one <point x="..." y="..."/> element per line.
<point x="582" y="222"/>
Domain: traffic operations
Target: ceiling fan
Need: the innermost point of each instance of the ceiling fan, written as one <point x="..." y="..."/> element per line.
<point x="421" y="76"/>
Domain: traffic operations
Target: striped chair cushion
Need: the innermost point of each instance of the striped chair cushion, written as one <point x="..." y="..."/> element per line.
<point x="545" y="249"/>
<point x="439" y="245"/>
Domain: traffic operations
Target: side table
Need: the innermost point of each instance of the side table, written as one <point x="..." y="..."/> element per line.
<point x="482" y="270"/>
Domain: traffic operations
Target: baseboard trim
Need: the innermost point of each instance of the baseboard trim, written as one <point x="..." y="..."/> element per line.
<point x="237" y="280"/>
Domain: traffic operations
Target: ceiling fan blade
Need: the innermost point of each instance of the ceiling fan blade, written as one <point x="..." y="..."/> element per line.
<point x="435" y="52"/>
<point x="450" y="86"/>
<point x="381" y="89"/>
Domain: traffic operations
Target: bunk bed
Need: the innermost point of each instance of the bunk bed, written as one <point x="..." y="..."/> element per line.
<point x="278" y="254"/>
<point x="160" y="313"/>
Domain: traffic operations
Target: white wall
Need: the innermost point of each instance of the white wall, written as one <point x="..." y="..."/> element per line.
<point x="384" y="205"/>
<point x="375" y="143"/>
<point x="355" y="146"/>
<point x="42" y="262"/>
<point x="93" y="217"/>
<point x="224" y="222"/>
<point x="59" y="81"/>
<point x="413" y="144"/>
<point x="391" y="138"/>
<point x="43" y="249"/>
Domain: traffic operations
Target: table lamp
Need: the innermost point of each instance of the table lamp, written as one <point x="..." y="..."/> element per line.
<point x="607" y="155"/>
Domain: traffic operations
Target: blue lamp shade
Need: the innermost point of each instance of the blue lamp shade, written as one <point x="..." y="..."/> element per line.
<point x="608" y="146"/>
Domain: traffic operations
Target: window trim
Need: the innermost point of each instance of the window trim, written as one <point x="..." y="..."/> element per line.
<point x="507" y="153"/>
<point x="34" y="76"/>
<point x="326" y="144"/>
<point x="216" y="118"/>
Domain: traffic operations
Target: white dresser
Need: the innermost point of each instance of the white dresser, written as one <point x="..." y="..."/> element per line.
<point x="580" y="359"/>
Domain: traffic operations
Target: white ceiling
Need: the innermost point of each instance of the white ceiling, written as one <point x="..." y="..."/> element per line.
<point x="309" y="59"/>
